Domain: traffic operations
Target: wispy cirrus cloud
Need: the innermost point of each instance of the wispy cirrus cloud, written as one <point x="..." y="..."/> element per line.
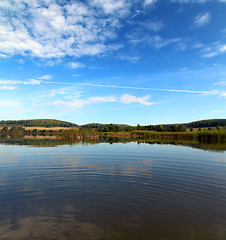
<point x="195" y="1"/>
<point x="131" y="59"/>
<point x="79" y="103"/>
<point x="6" y="84"/>
<point x="128" y="99"/>
<point x="124" y="99"/>
<point x="203" y="92"/>
<point x="201" y="20"/>
<point x="190" y="1"/>
<point x="149" y="2"/>
<point x="112" y="6"/>
<point x="46" y="77"/>
<point x="37" y="81"/>
<point x="76" y="75"/>
<point x="75" y="65"/>
<point x="156" y="41"/>
<point x="214" y="50"/>
<point x="221" y="83"/>
<point x="3" y="87"/>
<point x="67" y="93"/>
<point x="3" y="55"/>
<point x="155" y="26"/>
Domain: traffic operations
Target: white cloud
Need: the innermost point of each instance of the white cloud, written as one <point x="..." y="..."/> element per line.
<point x="55" y="29"/>
<point x="73" y="95"/>
<point x="131" y="59"/>
<point x="79" y="103"/>
<point x="190" y="1"/>
<point x="222" y="49"/>
<point x="46" y="77"/>
<point x="67" y="93"/>
<point x="20" y="61"/>
<point x="159" y="42"/>
<point x="209" y="55"/>
<point x="47" y="29"/>
<point x="10" y="84"/>
<point x="223" y="93"/>
<point x="102" y="99"/>
<point x="7" y="87"/>
<point x="219" y="93"/>
<point x="76" y="75"/>
<point x="155" y="41"/>
<point x="196" y="1"/>
<point x="32" y="82"/>
<point x="75" y="65"/>
<point x="201" y="19"/>
<point x="152" y="25"/>
<point x="214" y="50"/>
<point x="52" y="94"/>
<point x="3" y="55"/>
<point x="149" y="2"/>
<point x="112" y="6"/>
<point x="127" y="99"/>
<point x="210" y="92"/>
<point x="222" y="83"/>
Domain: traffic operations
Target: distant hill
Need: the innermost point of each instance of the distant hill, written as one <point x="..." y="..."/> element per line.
<point x="195" y="124"/>
<point x="200" y="123"/>
<point x="105" y="127"/>
<point x="100" y="125"/>
<point x="37" y="123"/>
<point x="207" y="123"/>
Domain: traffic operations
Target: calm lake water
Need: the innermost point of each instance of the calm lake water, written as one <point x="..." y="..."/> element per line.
<point x="112" y="191"/>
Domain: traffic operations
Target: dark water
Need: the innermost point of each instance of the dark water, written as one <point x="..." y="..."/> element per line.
<point x="112" y="191"/>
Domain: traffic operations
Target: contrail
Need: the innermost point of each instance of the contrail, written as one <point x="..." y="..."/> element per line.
<point x="214" y="92"/>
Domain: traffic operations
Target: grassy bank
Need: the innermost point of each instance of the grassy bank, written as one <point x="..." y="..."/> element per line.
<point x="77" y="135"/>
<point x="201" y="136"/>
<point x="80" y="134"/>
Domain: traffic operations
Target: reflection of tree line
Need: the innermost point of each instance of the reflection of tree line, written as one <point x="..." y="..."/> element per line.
<point x="20" y="140"/>
<point x="48" y="141"/>
<point x="202" y="137"/>
<point x="183" y="142"/>
<point x="20" y="131"/>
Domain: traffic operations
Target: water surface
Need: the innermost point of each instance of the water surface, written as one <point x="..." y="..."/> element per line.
<point x="112" y="191"/>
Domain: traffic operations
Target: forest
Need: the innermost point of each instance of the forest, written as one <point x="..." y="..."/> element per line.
<point x="37" y="123"/>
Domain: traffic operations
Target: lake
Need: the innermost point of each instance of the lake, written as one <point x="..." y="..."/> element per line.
<point x="112" y="191"/>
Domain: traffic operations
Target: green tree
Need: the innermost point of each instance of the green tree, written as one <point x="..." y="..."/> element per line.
<point x="159" y="128"/>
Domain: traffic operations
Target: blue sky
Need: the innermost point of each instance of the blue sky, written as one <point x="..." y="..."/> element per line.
<point x="113" y="61"/>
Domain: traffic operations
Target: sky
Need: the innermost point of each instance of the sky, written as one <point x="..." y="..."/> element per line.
<point x="113" y="61"/>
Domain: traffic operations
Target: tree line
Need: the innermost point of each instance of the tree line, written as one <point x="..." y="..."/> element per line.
<point x="209" y="124"/>
<point x="38" y="123"/>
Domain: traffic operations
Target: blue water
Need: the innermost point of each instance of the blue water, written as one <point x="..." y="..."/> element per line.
<point x="112" y="191"/>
